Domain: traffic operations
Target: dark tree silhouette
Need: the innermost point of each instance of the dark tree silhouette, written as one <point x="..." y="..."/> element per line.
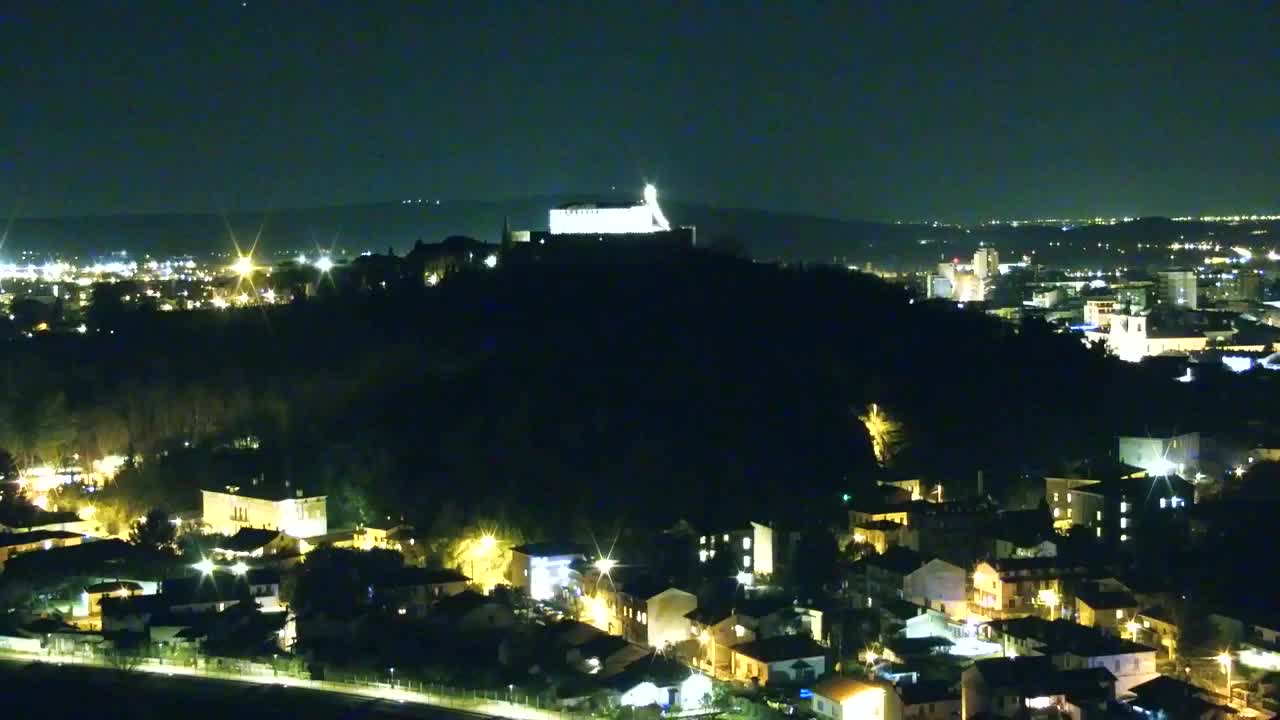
<point x="154" y="532"/>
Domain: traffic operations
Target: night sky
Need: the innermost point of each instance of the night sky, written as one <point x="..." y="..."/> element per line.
<point x="886" y="110"/>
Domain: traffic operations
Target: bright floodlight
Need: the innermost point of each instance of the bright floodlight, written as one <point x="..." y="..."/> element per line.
<point x="324" y="263"/>
<point x="604" y="565"/>
<point x="301" y="259"/>
<point x="205" y="566"/>
<point x="1224" y="659"/>
<point x="651" y="194"/>
<point x="243" y="266"/>
<point x="487" y="542"/>
<point x="240" y="568"/>
<point x="491" y="262"/>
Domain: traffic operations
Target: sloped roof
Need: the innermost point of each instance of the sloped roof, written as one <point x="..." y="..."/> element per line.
<point x="248" y="540"/>
<point x="840" y="688"/>
<point x="781" y="647"/>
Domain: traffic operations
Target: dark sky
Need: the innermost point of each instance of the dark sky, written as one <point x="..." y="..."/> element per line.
<point x="952" y="110"/>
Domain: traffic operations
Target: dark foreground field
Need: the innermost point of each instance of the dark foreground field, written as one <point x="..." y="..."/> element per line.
<point x="75" y="693"/>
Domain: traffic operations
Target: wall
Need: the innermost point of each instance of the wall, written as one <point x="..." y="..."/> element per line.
<point x="300" y="517"/>
<point x="938" y="582"/>
<point x="666" y="616"/>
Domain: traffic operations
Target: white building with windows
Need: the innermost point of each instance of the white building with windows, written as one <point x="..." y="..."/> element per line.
<point x="610" y="218"/>
<point x="288" y="510"/>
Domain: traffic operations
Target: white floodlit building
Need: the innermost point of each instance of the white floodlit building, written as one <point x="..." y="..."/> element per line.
<point x="610" y="218"/>
<point x="284" y="509"/>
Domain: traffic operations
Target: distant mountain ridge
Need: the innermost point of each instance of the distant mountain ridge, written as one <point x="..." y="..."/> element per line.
<point x="764" y="234"/>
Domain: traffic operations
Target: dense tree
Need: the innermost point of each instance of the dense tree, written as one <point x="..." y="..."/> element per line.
<point x="155" y="531"/>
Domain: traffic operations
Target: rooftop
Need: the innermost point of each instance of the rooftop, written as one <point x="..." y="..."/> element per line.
<point x="115" y="586"/>
<point x="263" y="490"/>
<point x="34" y="536"/>
<point x="1099" y="599"/>
<point x="1064" y="636"/>
<point x="414" y="576"/>
<point x="920" y="693"/>
<point x="1038" y="676"/>
<point x="898" y="559"/>
<point x="248" y="540"/>
<point x="1178" y="698"/>
<point x="782" y="647"/>
<point x="840" y="688"/>
<point x="549" y="549"/>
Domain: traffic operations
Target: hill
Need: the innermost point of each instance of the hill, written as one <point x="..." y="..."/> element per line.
<point x="764" y="234"/>
<point x="556" y="397"/>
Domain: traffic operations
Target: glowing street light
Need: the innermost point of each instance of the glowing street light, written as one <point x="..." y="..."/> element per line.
<point x="1224" y="659"/>
<point x="324" y="263"/>
<point x="1133" y="627"/>
<point x="491" y="262"/>
<point x="205" y="566"/>
<point x="240" y="568"/>
<point x="604" y="565"/>
<point x="243" y="266"/>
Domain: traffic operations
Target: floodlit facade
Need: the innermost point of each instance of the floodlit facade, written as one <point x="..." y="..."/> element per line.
<point x="1131" y="338"/>
<point x="1162" y="454"/>
<point x="610" y="219"/>
<point x="300" y="516"/>
<point x="1098" y="312"/>
<point x="844" y="698"/>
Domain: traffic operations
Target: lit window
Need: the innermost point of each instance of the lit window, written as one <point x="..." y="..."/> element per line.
<point x="1124" y="523"/>
<point x="1124" y="538"/>
<point x="1057" y="512"/>
<point x="746" y="543"/>
<point x="1163" y="503"/>
<point x="1070" y="512"/>
<point x="746" y="561"/>
<point x="1068" y="497"/>
<point x="644" y="618"/>
<point x="1099" y="516"/>
<point x="1124" y="507"/>
<point x="702" y="540"/>
<point x="1119" y="614"/>
<point x="712" y="553"/>
<point x="1099" y="532"/>
<point x="702" y="556"/>
<point x="726" y="537"/>
<point x="1055" y="497"/>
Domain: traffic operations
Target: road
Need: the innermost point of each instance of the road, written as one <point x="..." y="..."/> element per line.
<point x="51" y="691"/>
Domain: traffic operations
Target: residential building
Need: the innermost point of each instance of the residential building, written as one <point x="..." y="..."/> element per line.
<point x="986" y="263"/>
<point x="94" y="594"/>
<point x="471" y="612"/>
<point x="650" y="613"/>
<point x="1159" y="628"/>
<point x="15" y="543"/>
<point x="1177" y="287"/>
<point x="777" y="660"/>
<point x="1167" y="697"/>
<point x="1017" y="587"/>
<point x="543" y="570"/>
<point x="413" y="591"/>
<point x="752" y="549"/>
<point x="255" y="543"/>
<point x="845" y="698"/>
<point x="1071" y="646"/>
<point x="265" y="506"/>
<point x="880" y="534"/>
<point x="929" y="701"/>
<point x="717" y="630"/>
<point x="1018" y="687"/>
<point x="1098" y="312"/>
<point x="1107" y="610"/>
<point x="1115" y="500"/>
<point x="1169" y="453"/>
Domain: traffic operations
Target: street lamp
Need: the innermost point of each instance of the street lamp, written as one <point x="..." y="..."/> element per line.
<point x="240" y="568"/>
<point x="1133" y="627"/>
<point x="243" y="266"/>
<point x="205" y="566"/>
<point x="1224" y="659"/>
<point x="393" y="677"/>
